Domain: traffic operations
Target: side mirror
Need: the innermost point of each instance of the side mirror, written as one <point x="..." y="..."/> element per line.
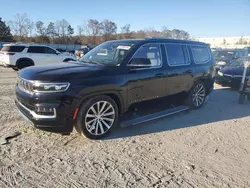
<point x="140" y="63"/>
<point x="57" y="53"/>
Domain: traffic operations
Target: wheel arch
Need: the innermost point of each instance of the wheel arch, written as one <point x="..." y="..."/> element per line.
<point x="113" y="94"/>
<point x="25" y="59"/>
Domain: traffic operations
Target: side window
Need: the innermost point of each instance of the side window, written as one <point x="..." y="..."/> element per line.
<point x="49" y="50"/>
<point x="148" y="55"/>
<point x="177" y="54"/>
<point x="201" y="54"/>
<point x="36" y="49"/>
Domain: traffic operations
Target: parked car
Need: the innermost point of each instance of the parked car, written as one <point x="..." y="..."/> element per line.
<point x="226" y="56"/>
<point x="231" y="74"/>
<point x="92" y="93"/>
<point x="21" y="55"/>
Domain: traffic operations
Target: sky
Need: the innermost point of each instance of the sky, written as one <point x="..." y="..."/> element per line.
<point x="201" y="18"/>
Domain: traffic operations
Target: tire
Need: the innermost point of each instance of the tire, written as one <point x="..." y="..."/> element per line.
<point x="197" y="95"/>
<point x="23" y="64"/>
<point x="241" y="98"/>
<point x="98" y="126"/>
<point x="15" y="68"/>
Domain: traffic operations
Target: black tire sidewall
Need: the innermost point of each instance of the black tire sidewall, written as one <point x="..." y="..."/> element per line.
<point x="23" y="64"/>
<point x="80" y="121"/>
<point x="189" y="100"/>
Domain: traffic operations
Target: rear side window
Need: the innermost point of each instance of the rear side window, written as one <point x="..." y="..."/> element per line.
<point x="201" y="54"/>
<point x="36" y="49"/>
<point x="13" y="48"/>
<point x="177" y="54"/>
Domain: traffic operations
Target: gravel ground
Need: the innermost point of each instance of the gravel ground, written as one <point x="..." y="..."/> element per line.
<point x="208" y="147"/>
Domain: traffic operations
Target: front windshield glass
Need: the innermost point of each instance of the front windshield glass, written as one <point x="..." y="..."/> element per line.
<point x="238" y="63"/>
<point x="108" y="53"/>
<point x="224" y="54"/>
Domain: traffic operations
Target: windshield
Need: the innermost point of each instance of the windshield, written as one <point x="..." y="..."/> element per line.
<point x="108" y="53"/>
<point x="238" y="63"/>
<point x="224" y="54"/>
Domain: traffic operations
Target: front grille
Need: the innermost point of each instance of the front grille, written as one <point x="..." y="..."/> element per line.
<point x="25" y="85"/>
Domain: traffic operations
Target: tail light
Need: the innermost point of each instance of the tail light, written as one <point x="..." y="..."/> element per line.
<point x="10" y="53"/>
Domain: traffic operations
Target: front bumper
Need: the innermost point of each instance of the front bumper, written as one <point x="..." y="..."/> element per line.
<point x="228" y="80"/>
<point x="59" y="120"/>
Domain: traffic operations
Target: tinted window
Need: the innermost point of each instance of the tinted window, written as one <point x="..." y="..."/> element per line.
<point x="36" y="49"/>
<point x="149" y="52"/>
<point x="12" y="48"/>
<point x="201" y="54"/>
<point x="176" y="55"/>
<point x="49" y="50"/>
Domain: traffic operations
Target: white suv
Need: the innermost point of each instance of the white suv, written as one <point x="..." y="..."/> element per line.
<point x="20" y="55"/>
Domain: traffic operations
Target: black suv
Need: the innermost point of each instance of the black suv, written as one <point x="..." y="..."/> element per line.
<point x="92" y="93"/>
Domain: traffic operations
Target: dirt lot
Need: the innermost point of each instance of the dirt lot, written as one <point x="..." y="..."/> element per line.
<point x="209" y="147"/>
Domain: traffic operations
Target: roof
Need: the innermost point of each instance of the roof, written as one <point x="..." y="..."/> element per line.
<point x="24" y="44"/>
<point x="162" y="40"/>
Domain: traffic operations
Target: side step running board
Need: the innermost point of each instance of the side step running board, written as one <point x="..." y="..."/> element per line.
<point x="150" y="117"/>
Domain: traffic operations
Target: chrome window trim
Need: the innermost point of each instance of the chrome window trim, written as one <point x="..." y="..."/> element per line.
<point x="209" y="52"/>
<point x="35" y="115"/>
<point x="181" y="44"/>
<point x="159" y="44"/>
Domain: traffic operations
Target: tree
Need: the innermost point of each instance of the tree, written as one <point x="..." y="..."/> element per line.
<point x="70" y="31"/>
<point x="40" y="29"/>
<point x="166" y="33"/>
<point x="183" y="35"/>
<point x="94" y="28"/>
<point x="125" y="31"/>
<point x="20" y="26"/>
<point x="61" y="28"/>
<point x="5" y="35"/>
<point x="80" y="30"/>
<point x="51" y="32"/>
<point x="109" y="28"/>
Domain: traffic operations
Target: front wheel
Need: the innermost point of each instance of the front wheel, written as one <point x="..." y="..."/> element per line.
<point x="197" y="95"/>
<point x="97" y="117"/>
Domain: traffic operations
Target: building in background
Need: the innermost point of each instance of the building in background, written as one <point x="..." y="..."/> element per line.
<point x="226" y="42"/>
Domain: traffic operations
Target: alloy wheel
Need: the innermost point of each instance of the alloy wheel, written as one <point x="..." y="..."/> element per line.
<point x="199" y="95"/>
<point x="100" y="118"/>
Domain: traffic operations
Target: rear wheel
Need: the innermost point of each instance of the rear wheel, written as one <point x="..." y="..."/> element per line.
<point x="197" y="95"/>
<point x="97" y="117"/>
<point x="23" y="64"/>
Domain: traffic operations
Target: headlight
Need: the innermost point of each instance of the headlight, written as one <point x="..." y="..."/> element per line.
<point x="221" y="63"/>
<point x="220" y="73"/>
<point x="50" y="87"/>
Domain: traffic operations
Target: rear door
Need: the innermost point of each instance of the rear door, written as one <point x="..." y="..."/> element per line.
<point x="37" y="54"/>
<point x="180" y="72"/>
<point x="42" y="55"/>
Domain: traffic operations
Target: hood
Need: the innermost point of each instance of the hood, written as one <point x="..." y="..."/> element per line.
<point x="234" y="71"/>
<point x="63" y="71"/>
<point x="217" y="59"/>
